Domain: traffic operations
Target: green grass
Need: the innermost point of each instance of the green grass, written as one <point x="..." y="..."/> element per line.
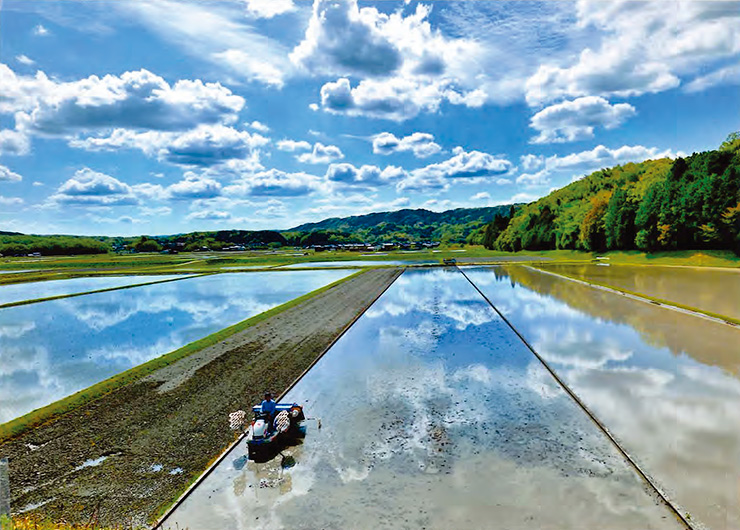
<point x="48" y="413"/>
<point x="663" y="301"/>
<point x="38" y="523"/>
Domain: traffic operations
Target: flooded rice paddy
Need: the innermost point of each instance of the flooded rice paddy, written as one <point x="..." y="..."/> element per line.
<point x="710" y="289"/>
<point x="52" y="349"/>
<point x="17" y="292"/>
<point x="358" y="263"/>
<point x="435" y="415"/>
<point x="666" y="384"/>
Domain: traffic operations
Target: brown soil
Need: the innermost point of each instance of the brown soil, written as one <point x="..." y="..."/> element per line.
<point x="176" y="418"/>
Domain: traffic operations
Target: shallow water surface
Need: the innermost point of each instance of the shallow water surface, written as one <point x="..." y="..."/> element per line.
<point x="52" y="349"/>
<point x="434" y="416"/>
<point x="358" y="263"/>
<point x="664" y="383"/>
<point x="711" y="289"/>
<point x="17" y="292"/>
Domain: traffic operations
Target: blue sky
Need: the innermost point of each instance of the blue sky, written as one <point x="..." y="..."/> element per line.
<point x="161" y="117"/>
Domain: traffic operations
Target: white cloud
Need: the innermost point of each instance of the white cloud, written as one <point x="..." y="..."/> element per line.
<point x="396" y="98"/>
<point x="585" y="162"/>
<point x="729" y="75"/>
<point x="269" y="8"/>
<point x="92" y="188"/>
<point x="194" y="187"/>
<point x="205" y="145"/>
<point x="473" y="165"/>
<point x="134" y="100"/>
<point x="259" y="127"/>
<point x="292" y="145"/>
<point x="575" y="120"/>
<point x="343" y="39"/>
<point x="217" y="33"/>
<point x="275" y="183"/>
<point x="481" y="196"/>
<point x="25" y="59"/>
<point x="40" y="31"/>
<point x="10" y="201"/>
<point x="404" y="66"/>
<point x="159" y="211"/>
<point x="13" y="142"/>
<point x="321" y="154"/>
<point x="646" y="47"/>
<point x="6" y="175"/>
<point x="421" y="144"/>
<point x="209" y="215"/>
<point x="531" y="162"/>
<point x="363" y="176"/>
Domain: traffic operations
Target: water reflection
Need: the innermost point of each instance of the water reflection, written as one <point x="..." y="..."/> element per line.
<point x="357" y="263"/>
<point x="32" y="290"/>
<point x="647" y="373"/>
<point x="710" y="289"/>
<point x="52" y="349"/>
<point x="434" y="415"/>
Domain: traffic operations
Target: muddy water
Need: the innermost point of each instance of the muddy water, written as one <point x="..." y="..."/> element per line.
<point x="434" y="416"/>
<point x="52" y="349"/>
<point x="710" y="289"/>
<point x="28" y="291"/>
<point x="665" y="384"/>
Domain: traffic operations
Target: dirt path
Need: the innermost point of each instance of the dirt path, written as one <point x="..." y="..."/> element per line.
<point x="127" y="455"/>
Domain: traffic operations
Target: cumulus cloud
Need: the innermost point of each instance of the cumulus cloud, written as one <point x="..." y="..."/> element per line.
<point x="292" y="145"/>
<point x="259" y="127"/>
<point x="269" y="8"/>
<point x="209" y="215"/>
<point x="481" y="196"/>
<point x="133" y="100"/>
<point x="647" y="47"/>
<point x="92" y="188"/>
<point x="6" y="175"/>
<point x="321" y="154"/>
<point x="463" y="165"/>
<point x="367" y="175"/>
<point x="575" y="120"/>
<point x="194" y="187"/>
<point x="343" y="39"/>
<point x="13" y="142"/>
<point x="404" y="66"/>
<point x="397" y="98"/>
<point x="421" y="144"/>
<point x="585" y="162"/>
<point x="205" y="145"/>
<point x="275" y="183"/>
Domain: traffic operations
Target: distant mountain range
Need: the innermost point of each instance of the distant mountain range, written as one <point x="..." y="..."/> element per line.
<point x="453" y="226"/>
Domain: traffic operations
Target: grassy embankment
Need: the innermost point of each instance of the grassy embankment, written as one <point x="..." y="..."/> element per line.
<point x="35" y="523"/>
<point x="54" y="410"/>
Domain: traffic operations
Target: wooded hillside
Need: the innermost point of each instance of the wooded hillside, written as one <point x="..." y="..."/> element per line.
<point x="687" y="203"/>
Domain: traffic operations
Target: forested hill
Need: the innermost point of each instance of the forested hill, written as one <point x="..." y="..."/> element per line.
<point x="455" y="226"/>
<point x="689" y="203"/>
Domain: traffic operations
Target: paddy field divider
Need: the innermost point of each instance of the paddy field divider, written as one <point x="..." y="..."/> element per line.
<point x="57" y="409"/>
<point x="661" y="495"/>
<point x="198" y="481"/>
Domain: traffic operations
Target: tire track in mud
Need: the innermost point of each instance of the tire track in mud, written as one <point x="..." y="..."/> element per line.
<point x="661" y="495"/>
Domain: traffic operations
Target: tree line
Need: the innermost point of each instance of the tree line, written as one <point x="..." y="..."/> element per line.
<point x="687" y="203"/>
